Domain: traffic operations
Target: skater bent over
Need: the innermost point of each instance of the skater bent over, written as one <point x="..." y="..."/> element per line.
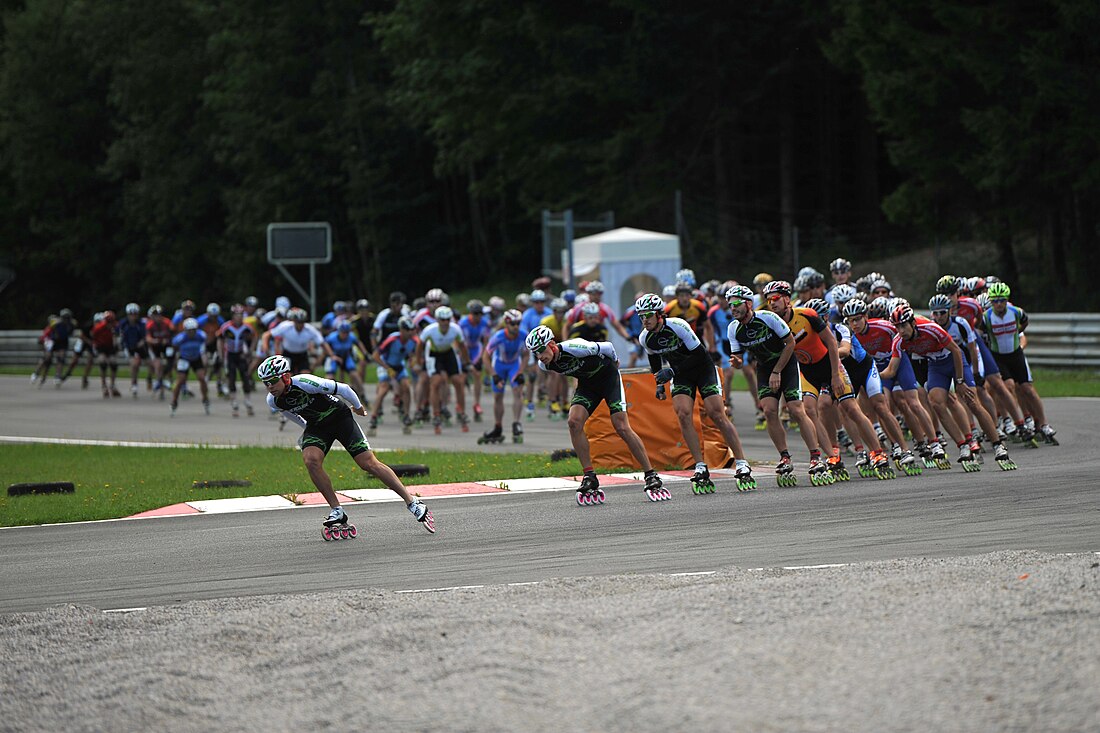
<point x="689" y="368"/>
<point x="318" y="405"/>
<point x="596" y="368"/>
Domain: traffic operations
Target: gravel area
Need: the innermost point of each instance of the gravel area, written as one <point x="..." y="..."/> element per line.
<point x="1008" y="641"/>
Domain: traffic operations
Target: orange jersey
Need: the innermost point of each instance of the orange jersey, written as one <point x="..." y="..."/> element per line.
<point x="695" y="314"/>
<point x="807" y="327"/>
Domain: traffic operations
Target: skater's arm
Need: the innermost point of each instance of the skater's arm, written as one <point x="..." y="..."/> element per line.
<point x="607" y="349"/>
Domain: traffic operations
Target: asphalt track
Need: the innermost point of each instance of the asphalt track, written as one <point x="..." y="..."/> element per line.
<point x="1050" y="504"/>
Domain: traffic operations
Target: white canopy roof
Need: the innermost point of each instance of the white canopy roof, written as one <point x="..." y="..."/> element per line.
<point x="624" y="244"/>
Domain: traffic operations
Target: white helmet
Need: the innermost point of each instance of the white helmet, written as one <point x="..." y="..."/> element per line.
<point x="739" y="292"/>
<point x="559" y="304"/>
<point x="590" y="309"/>
<point x="213" y="309"/>
<point x="272" y="367"/>
<point x="594" y="287"/>
<point x="190" y="324"/>
<point x="687" y="275"/>
<point x="282" y="302"/>
<point x="539" y="338"/>
<point x="842" y="294"/>
<point x="649" y="303"/>
<point x="538" y="296"/>
<point x="435" y="294"/>
<point x="581" y="299"/>
<point x="669" y="291"/>
<point x="496" y="303"/>
<point x="133" y="309"/>
<point x="512" y="316"/>
<point x="444" y="313"/>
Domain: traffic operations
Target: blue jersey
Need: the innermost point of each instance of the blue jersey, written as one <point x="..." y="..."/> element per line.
<point x="632" y="323"/>
<point x="342" y="347"/>
<point x="533" y="317"/>
<point x="189" y="345"/>
<point x="504" y="349"/>
<point x="843" y="333"/>
<point x="396" y="352"/>
<point x="474" y="330"/>
<point x="131" y="334"/>
<point x="720" y="318"/>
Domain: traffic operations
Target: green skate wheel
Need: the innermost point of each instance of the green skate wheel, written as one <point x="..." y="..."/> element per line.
<point x="1007" y="465"/>
<point x="943" y="464"/>
<point x="971" y="466"/>
<point x="746" y="484"/>
<point x="913" y="469"/>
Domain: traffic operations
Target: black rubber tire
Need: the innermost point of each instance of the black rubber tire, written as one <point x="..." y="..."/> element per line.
<point x="54" y="487"/>
<point x="410" y="469"/>
<point x="219" y="484"/>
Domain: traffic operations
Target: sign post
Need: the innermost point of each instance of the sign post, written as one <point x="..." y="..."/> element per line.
<point x="300" y="243"/>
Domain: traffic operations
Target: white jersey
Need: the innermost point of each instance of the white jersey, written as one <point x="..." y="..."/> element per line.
<point x="437" y="342"/>
<point x="295" y="341"/>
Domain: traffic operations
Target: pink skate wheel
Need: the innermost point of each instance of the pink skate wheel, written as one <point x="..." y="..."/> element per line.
<point x="326" y="533"/>
<point x="344" y="533"/>
<point x="352" y="531"/>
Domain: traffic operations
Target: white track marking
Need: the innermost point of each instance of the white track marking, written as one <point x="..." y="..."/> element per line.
<point x="126" y="610"/>
<point x="117" y="443"/>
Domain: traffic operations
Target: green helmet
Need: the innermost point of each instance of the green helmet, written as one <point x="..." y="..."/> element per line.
<point x="999" y="290"/>
<point x="272" y="367"/>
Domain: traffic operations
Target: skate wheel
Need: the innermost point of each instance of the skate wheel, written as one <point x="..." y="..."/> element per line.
<point x="326" y="533"/>
<point x="580" y="499"/>
<point x="429" y="521"/>
<point x="603" y="496"/>
<point x="666" y="493"/>
<point x="352" y="531"/>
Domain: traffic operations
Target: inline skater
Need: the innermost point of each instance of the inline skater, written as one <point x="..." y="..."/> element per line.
<point x="821" y="371"/>
<point x="503" y="360"/>
<point x="945" y="364"/>
<point x="719" y="317"/>
<point x="475" y="331"/>
<point x="1005" y="323"/>
<point x="392" y="357"/>
<point x="332" y="320"/>
<point x="876" y="336"/>
<point x="769" y="339"/>
<point x="591" y="325"/>
<point x="347" y="351"/>
<point x="595" y="366"/>
<point x="105" y="347"/>
<point x="294" y="338"/>
<point x="841" y="271"/>
<point x="321" y="407"/>
<point x="363" y="327"/>
<point x="131" y="333"/>
<point x="386" y="322"/>
<point x="189" y="345"/>
<point x="56" y="346"/>
<point x="210" y="323"/>
<point x="442" y="351"/>
<point x="689" y="309"/>
<point x="677" y="355"/>
<point x="235" y="339"/>
<point x="158" y="339"/>
<point x="633" y="326"/>
<point x="532" y="318"/>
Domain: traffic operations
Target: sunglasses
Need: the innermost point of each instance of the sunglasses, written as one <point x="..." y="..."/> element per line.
<point x="998" y="300"/>
<point x="735" y="302"/>
<point x="273" y="380"/>
<point x="940" y="313"/>
<point x="773" y="298"/>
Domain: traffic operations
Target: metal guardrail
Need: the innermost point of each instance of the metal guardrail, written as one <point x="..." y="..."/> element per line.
<point x="1053" y="339"/>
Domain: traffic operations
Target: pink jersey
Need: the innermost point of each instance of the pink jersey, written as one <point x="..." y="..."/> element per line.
<point x="929" y="342"/>
<point x="878" y="339"/>
<point x="575" y="314"/>
<point x="969" y="309"/>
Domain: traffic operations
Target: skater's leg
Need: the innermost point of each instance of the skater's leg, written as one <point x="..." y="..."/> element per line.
<point x="805" y="426"/>
<point x="684" y="406"/>
<point x="577" y="417"/>
<point x="938" y="398"/>
<point x="459" y="382"/>
<point x="770" y="406"/>
<point x="716" y="411"/>
<point x="1031" y="402"/>
<point x="201" y="374"/>
<point x="314" y="459"/>
<point x="622" y="426"/>
<point x="369" y="462"/>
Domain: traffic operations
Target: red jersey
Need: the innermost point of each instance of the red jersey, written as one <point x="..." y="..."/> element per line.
<point x="878" y="339"/>
<point x="969" y="309"/>
<point x="929" y="342"/>
<point x="103" y="334"/>
<point x="159" y="329"/>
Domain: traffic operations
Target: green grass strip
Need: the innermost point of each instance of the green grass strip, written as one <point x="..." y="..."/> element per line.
<point x="117" y="482"/>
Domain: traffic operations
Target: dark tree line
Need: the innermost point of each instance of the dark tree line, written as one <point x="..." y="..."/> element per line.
<point x="144" y="147"/>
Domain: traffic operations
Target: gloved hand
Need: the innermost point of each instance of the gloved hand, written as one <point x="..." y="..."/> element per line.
<point x="498" y="381"/>
<point x="661" y="392"/>
<point x="520" y="379"/>
<point x="664" y="375"/>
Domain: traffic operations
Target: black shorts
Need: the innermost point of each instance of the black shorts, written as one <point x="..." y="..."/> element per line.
<point x="606" y="387"/>
<point x="443" y="362"/>
<point x="817" y="378"/>
<point x="299" y="361"/>
<point x="342" y="427"/>
<point x="790" y="386"/>
<point x="140" y="352"/>
<point x="703" y="377"/>
<point x="920" y="370"/>
<point x="157" y="350"/>
<point x="1014" y="366"/>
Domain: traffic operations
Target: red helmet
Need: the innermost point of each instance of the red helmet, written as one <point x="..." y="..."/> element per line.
<point x="902" y="314"/>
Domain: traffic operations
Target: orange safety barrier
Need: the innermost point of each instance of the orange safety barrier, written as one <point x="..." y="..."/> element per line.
<point x="655" y="423"/>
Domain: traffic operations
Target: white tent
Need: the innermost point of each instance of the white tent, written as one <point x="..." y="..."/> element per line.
<point x="626" y="261"/>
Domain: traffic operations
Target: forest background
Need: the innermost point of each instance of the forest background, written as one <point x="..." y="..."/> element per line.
<point x="144" y="147"/>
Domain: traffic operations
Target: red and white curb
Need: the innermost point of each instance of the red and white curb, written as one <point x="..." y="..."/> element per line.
<point x="353" y="496"/>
